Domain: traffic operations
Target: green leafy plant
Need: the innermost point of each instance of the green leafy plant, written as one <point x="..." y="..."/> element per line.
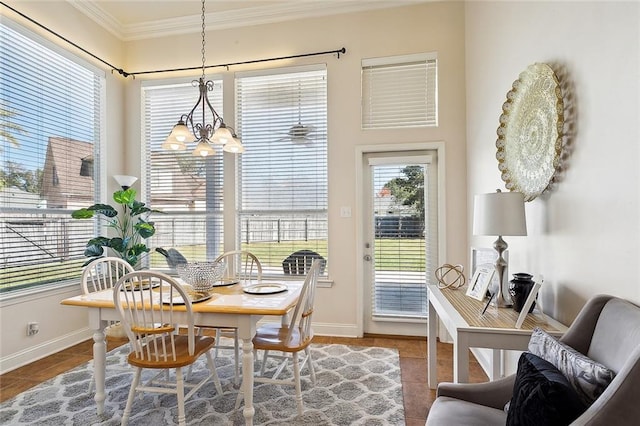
<point x="130" y="228"/>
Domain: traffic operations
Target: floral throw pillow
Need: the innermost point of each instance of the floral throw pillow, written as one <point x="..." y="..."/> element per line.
<point x="588" y="377"/>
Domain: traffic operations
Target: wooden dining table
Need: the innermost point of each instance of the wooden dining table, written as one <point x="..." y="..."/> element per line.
<point x="229" y="306"/>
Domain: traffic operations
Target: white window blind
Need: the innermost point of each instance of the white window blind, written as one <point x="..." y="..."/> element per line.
<point x="50" y="132"/>
<point x="405" y="244"/>
<point x="399" y="91"/>
<point x="282" y="176"/>
<point x="187" y="188"/>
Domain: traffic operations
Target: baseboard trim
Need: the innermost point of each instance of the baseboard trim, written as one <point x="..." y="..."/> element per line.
<point x="42" y="350"/>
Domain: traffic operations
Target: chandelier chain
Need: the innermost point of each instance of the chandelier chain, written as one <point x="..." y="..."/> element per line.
<point x="203" y="41"/>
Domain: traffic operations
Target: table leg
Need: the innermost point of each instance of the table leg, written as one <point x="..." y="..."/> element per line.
<point x="460" y="358"/>
<point x="496" y="364"/>
<point x="247" y="380"/>
<point x="99" y="363"/>
<point x="432" y="354"/>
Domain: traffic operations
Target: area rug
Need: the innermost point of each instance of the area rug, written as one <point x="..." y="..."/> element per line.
<point x="354" y="386"/>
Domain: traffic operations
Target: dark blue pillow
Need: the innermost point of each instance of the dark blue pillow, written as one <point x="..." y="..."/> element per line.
<point x="542" y="395"/>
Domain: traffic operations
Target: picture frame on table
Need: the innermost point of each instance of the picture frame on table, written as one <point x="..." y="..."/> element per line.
<point x="484" y="255"/>
<point x="527" y="304"/>
<point x="480" y="281"/>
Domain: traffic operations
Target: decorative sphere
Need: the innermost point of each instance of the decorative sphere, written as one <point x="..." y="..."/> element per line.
<point x="450" y="276"/>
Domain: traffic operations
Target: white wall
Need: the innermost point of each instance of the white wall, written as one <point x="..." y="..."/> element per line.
<point x="584" y="236"/>
<point x="422" y="28"/>
<point x="414" y="29"/>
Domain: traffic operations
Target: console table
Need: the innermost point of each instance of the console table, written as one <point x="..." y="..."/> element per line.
<point x="495" y="329"/>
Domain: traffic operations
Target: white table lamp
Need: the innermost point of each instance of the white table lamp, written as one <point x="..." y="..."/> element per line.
<point x="499" y="213"/>
<point x="125" y="181"/>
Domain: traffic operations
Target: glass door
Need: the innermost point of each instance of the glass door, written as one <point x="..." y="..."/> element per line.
<point x="400" y="240"/>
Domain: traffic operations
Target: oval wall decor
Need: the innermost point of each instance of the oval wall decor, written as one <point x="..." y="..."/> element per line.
<point x="530" y="132"/>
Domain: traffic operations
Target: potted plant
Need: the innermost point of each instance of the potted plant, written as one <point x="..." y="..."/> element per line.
<point x="131" y="227"/>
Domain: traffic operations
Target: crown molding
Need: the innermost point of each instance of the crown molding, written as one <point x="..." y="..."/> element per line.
<point x="241" y="17"/>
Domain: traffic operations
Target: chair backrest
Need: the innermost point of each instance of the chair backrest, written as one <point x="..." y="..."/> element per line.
<point x="301" y="317"/>
<point x="241" y="265"/>
<point x="607" y="330"/>
<point x="103" y="273"/>
<point x="299" y="262"/>
<point x="145" y="301"/>
<point x="172" y="256"/>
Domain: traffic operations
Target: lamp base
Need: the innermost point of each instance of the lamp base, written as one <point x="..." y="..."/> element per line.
<point x="500" y="301"/>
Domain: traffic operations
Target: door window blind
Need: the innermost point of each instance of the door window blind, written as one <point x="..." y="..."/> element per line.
<point x="282" y="176"/>
<point x="50" y="135"/>
<point x="399" y="91"/>
<point x="187" y="188"/>
<point x="405" y="247"/>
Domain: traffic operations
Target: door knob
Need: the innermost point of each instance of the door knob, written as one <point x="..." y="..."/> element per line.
<point x="367" y="257"/>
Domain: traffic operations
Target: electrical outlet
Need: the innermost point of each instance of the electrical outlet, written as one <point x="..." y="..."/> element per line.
<point x="32" y="328"/>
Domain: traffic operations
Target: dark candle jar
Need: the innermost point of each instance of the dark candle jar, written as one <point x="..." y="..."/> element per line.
<point x="519" y="288"/>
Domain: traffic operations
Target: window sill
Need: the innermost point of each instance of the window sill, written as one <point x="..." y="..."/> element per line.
<point x="12" y="297"/>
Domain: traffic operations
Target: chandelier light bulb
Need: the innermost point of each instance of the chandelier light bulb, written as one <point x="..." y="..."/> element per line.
<point x="203" y="150"/>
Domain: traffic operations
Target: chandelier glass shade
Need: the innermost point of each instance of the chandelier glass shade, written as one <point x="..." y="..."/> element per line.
<point x="212" y="130"/>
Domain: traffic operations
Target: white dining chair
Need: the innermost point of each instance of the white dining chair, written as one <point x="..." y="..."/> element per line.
<point x="243" y="267"/>
<point x="102" y="274"/>
<point x="289" y="339"/>
<point x="148" y="318"/>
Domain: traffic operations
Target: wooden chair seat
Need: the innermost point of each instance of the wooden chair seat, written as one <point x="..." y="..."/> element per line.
<point x="276" y="337"/>
<point x="202" y="345"/>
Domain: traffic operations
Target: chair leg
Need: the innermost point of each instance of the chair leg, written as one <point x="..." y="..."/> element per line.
<point x="264" y="362"/>
<point x="180" y="395"/>
<point x="239" y="399"/>
<point x="214" y="373"/>
<point x="296" y="378"/>
<point x="132" y="393"/>
<point x="312" y="371"/>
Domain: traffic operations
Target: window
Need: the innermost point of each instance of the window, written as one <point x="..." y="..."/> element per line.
<point x="282" y="176"/>
<point x="188" y="189"/>
<point x="399" y="91"/>
<point x="50" y="127"/>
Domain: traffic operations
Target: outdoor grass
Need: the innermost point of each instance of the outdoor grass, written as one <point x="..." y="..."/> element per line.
<point x="392" y="254"/>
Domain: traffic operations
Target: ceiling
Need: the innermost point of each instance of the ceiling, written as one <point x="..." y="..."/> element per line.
<point x="140" y="19"/>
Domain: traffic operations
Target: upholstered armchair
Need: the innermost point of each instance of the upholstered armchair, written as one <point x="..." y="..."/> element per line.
<point x="607" y="330"/>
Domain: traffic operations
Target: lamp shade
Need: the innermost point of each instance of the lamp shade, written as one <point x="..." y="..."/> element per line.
<point x="125" y="181"/>
<point x="499" y="213"/>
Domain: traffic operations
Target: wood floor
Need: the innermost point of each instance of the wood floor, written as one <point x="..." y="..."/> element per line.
<point x="413" y="364"/>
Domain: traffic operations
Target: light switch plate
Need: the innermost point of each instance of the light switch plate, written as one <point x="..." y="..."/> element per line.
<point x="345" y="211"/>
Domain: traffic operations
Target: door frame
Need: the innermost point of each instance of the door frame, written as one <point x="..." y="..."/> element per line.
<point x="361" y="151"/>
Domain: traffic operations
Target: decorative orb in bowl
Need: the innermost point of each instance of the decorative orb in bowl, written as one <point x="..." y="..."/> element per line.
<point x="201" y="275"/>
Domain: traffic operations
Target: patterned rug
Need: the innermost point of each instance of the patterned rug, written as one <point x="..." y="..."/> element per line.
<point x="355" y="386"/>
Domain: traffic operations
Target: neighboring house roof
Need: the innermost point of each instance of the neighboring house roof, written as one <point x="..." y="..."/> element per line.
<point x="62" y="184"/>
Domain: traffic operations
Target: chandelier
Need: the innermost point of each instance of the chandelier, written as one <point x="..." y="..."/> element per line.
<point x="205" y="135"/>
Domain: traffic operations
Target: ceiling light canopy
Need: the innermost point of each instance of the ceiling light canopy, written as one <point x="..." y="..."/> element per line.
<point x="205" y="134"/>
